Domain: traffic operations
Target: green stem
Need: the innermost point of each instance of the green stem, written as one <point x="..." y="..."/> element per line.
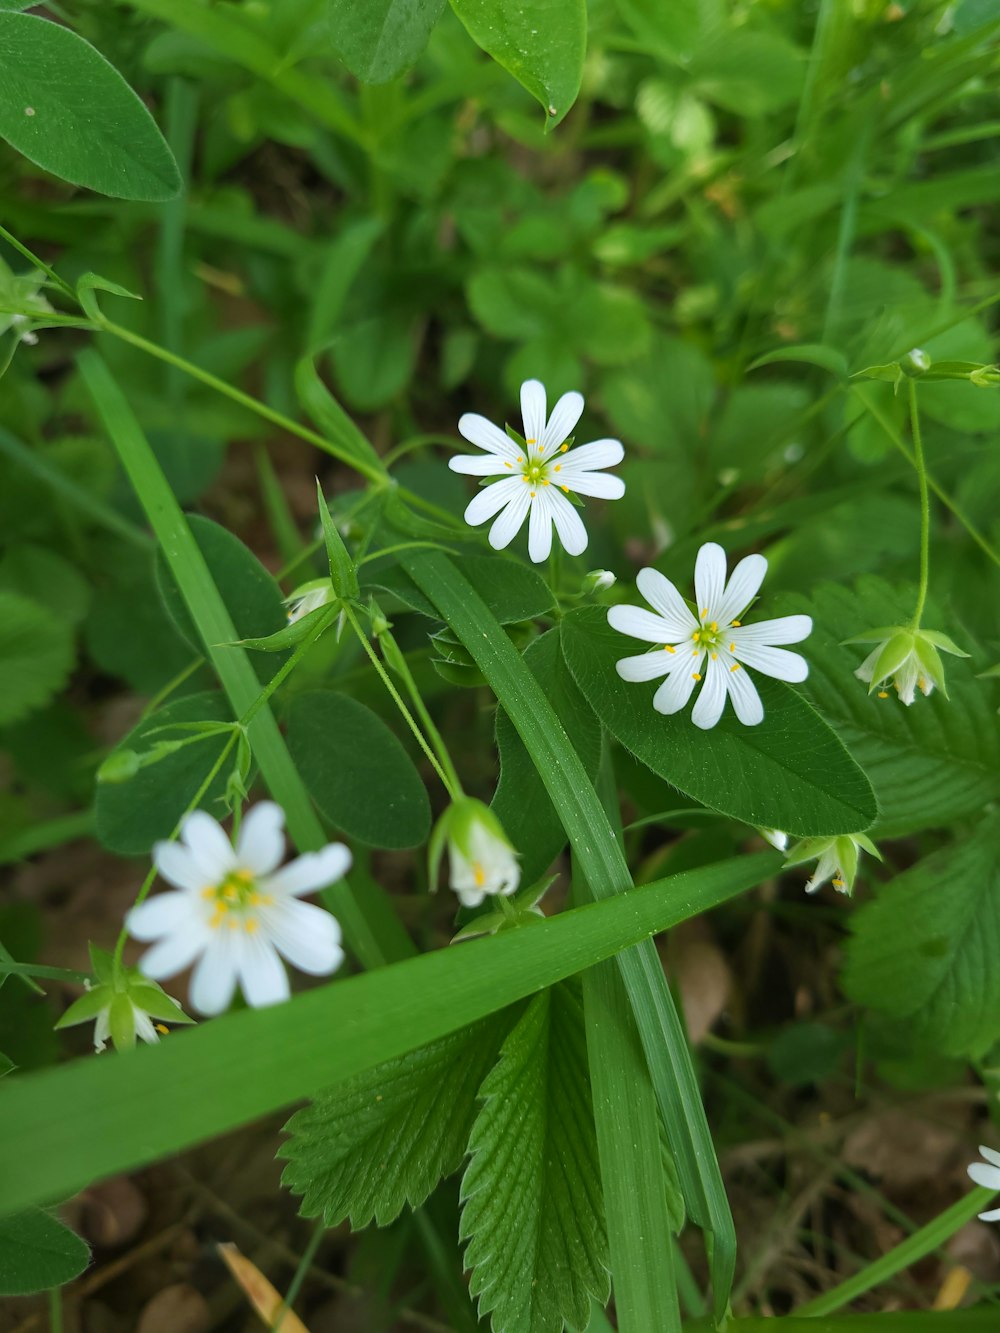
<point x="193" y="804"/>
<point x="401" y="665"/>
<point x="173" y="684"/>
<point x="295" y="1286"/>
<point x="55" y="1310"/>
<point x="904" y="1255"/>
<point x="925" y="504"/>
<point x="51" y="274"/>
<point x="453" y="791"/>
<point x="287" y="667"/>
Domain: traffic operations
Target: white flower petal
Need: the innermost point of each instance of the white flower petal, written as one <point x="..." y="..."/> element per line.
<point x="566" y="413"/>
<point x="776" y="662"/>
<point x="209" y="845"/>
<point x="826" y="868"/>
<point x="646" y="666"/>
<point x="598" y="454"/>
<point x="102" y="1029"/>
<point x="569" y="524"/>
<point x="638" y="623"/>
<point x="743" y="692"/>
<point x="260" y="846"/>
<point x="786" y="629"/>
<point x="597" y="484"/>
<point x="991" y="1155"/>
<point x="214" y="981"/>
<point x="676" y="690"/>
<point x="539" y="527"/>
<point x="174" y="953"/>
<point x="308" y="936"/>
<point x="712" y="698"/>
<point x="178" y="866"/>
<point x="480" y="465"/>
<point x="308" y="873"/>
<point x="163" y="914"/>
<point x="145" y="1029"/>
<point x="867" y="668"/>
<point x="992" y="1216"/>
<point x="491" y="499"/>
<point x="663" y="597"/>
<point x="742" y="588"/>
<point x="262" y="976"/>
<point x="710" y="578"/>
<point x="533" y="410"/>
<point x="477" y="430"/>
<point x="987" y="1176"/>
<point x="508" y="523"/>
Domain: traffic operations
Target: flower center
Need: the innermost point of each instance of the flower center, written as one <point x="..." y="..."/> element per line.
<point x="233" y="901"/>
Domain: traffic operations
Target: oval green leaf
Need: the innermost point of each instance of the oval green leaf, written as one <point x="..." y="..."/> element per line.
<point x="791" y="772"/>
<point x="357" y="772"/>
<point x="381" y="38"/>
<point x="130" y="816"/>
<point x="541" y="42"/>
<point x="70" y="112"/>
<point x="38" y="1253"/>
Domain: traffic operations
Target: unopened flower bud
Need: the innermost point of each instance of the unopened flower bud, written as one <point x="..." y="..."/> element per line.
<point x="480" y="856"/>
<point x="915" y="363"/>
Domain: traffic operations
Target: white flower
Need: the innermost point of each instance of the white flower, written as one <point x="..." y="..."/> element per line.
<point x="712" y="645"/>
<point x="909" y="658"/>
<point x="599" y="580"/>
<point x="837" y="859"/>
<point x="122" y="1005"/>
<point x="309" y="597"/>
<point x="234" y="911"/>
<point x="777" y="839"/>
<point x="537" y="476"/>
<point x="988" y="1177"/>
<point x="480" y="857"/>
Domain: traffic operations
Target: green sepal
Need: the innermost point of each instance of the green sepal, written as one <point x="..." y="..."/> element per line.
<point x="86" y="1008"/>
<point x="516" y="436"/>
<point x="343" y="572"/>
<point x="891" y="658"/>
<point x="103" y="964"/>
<point x="866" y="843"/>
<point x="990" y="673"/>
<point x="121" y="1022"/>
<point x="847" y="860"/>
<point x="522" y="910"/>
<point x="875" y="635"/>
<point x="287" y="637"/>
<point x="90" y="283"/>
<point x="436" y="846"/>
<point x="943" y="642"/>
<point x="930" y="660"/>
<point x="809" y="849"/>
<point x="119" y="766"/>
<point x="892" y="373"/>
<point x="152" y="1000"/>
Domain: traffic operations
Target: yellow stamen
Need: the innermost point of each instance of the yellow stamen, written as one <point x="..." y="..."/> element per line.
<point x="544" y="482"/>
<point x="921" y="682"/>
<point x="209" y="892"/>
<point x="714" y="626"/>
<point x="837" y="883"/>
<point x="695" y="675"/>
<point x="533" y="494"/>
<point x="883" y="694"/>
<point x="479" y="875"/>
<point x="732" y="647"/>
<point x="735" y="624"/>
<point x="704" y="611"/>
<point x="251" y="924"/>
<point x="563" y="448"/>
<point x="164" y="1031"/>
<point x="564" y="489"/>
<point x="735" y="667"/>
<point x="714" y="655"/>
<point x="508" y="464"/>
<point x="526" y="480"/>
<point x="667" y="648"/>
<point x="696" y="635"/>
<point x="520" y="459"/>
<point x="557" y="468"/>
<point x="531" y="441"/>
<point x="230" y="892"/>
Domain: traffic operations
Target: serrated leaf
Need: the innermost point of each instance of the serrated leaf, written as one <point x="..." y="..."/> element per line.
<point x="37" y="1253"/>
<point x="925" y="950"/>
<point x="381" y="38"/>
<point x="356" y="770"/>
<point x="521" y="801"/>
<point x="36" y="654"/>
<point x="790" y="772"/>
<point x="70" y="112"/>
<point x="931" y="763"/>
<point x="533" y="1213"/>
<point x="366" y="1148"/>
<point x="541" y="42"/>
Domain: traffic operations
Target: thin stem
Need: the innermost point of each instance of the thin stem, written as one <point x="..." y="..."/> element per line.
<point x="295" y="1286"/>
<point x="925" y="504"/>
<point x="55" y="1310"/>
<point x="174" y="684"/>
<point x="193" y="804"/>
<point x="51" y="274"/>
<point x="352" y="620"/>
<point x="401" y="665"/>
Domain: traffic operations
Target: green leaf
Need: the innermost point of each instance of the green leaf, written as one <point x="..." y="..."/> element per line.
<point x="521" y="801"/>
<point x="254" y="1061"/>
<point x="37" y="1252"/>
<point x="130" y="816"/>
<point x="931" y="763"/>
<point x="70" y="112"/>
<point x="751" y="73"/>
<point x="366" y="1148"/>
<point x="36" y="655"/>
<point x="924" y="951"/>
<point x="356" y="771"/>
<point x="541" y="42"/>
<point x="251" y="595"/>
<point x="330" y="417"/>
<point x="46" y="577"/>
<point x="511" y="589"/>
<point x="791" y="772"/>
<point x="533" y="1213"/>
<point x="813" y="354"/>
<point x="382" y="38"/>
